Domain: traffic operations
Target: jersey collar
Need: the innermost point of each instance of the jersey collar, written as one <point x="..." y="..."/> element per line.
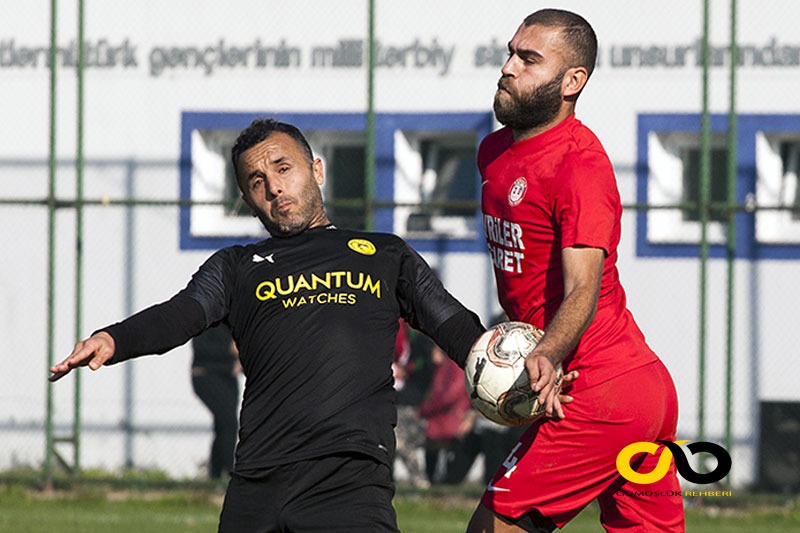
<point x="547" y="137"/>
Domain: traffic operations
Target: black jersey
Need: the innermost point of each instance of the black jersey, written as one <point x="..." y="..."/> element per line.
<point x="212" y="350"/>
<point x="315" y="317"/>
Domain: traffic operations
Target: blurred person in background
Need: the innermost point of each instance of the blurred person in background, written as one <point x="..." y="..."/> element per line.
<point x="412" y="375"/>
<point x="215" y="365"/>
<point x="448" y="415"/>
<point x="486" y="438"/>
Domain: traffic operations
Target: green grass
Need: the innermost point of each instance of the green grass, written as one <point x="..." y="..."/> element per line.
<point x="93" y="510"/>
<point x="429" y="515"/>
<point x="98" y="509"/>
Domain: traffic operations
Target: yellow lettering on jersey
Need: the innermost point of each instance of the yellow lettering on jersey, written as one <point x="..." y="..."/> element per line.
<point x="355" y="285"/>
<point x="302" y="284"/>
<point x="338" y="277"/>
<point x="374" y="288"/>
<point x="290" y="286"/>
<point x="265" y="290"/>
<point x="295" y="283"/>
<point x="324" y="298"/>
<point x="316" y="280"/>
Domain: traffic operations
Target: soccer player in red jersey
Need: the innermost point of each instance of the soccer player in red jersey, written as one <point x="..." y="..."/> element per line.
<point x="551" y="214"/>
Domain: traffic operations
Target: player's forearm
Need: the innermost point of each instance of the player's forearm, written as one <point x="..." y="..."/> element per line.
<point x="157" y="329"/>
<point x="569" y="324"/>
<point x="457" y="335"/>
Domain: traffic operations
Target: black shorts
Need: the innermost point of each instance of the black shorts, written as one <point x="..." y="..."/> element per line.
<point x="334" y="493"/>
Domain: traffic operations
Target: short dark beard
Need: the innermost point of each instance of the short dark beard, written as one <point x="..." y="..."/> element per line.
<point x="530" y="110"/>
<point x="311" y="206"/>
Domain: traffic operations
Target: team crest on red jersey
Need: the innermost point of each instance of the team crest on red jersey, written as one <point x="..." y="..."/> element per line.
<point x="517" y="191"/>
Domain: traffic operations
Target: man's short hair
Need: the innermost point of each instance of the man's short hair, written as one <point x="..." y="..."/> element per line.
<point x="576" y="32"/>
<point x="260" y="129"/>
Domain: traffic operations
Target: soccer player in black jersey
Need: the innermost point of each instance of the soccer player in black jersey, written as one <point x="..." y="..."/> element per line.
<point x="314" y="311"/>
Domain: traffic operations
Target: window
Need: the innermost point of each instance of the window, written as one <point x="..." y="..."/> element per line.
<point x="767" y="167"/>
<point x="434" y="169"/>
<point x="690" y="159"/>
<point x="342" y="155"/>
<point x="424" y="161"/>
<point x="778" y="166"/>
<point x="213" y="179"/>
<point x="674" y="178"/>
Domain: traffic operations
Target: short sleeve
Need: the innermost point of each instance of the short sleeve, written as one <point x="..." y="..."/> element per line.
<point x="492" y="146"/>
<point x="586" y="202"/>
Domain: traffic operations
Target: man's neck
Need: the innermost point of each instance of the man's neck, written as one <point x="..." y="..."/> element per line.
<point x="320" y="221"/>
<point x="564" y="114"/>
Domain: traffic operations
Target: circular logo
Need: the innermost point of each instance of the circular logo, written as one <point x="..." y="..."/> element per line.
<point x="517" y="191"/>
<point x="361" y="246"/>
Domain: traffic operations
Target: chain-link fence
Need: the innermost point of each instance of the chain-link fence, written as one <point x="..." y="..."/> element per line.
<point x="166" y="87"/>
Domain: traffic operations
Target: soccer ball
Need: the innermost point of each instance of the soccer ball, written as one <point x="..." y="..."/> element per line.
<point x="495" y="375"/>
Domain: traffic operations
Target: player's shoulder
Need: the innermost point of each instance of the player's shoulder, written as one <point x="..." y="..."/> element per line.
<point x="378" y="239"/>
<point x="502" y="136"/>
<point x="382" y="246"/>
<point x="493" y="145"/>
<point x="235" y="254"/>
<point x="584" y="151"/>
<point x="585" y="142"/>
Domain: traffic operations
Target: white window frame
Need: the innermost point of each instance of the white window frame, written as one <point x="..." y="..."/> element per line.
<point x="210" y="152"/>
<point x="209" y="159"/>
<point x="322" y="142"/>
<point x="414" y="184"/>
<point x="665" y="187"/>
<point x="776" y="187"/>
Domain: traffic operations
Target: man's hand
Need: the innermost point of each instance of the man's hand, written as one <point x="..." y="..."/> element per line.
<point x="583" y="274"/>
<point x="94" y="352"/>
<point x="559" y="397"/>
<point x="543" y="377"/>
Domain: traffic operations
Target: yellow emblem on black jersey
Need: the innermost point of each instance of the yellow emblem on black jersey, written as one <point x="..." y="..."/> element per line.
<point x="361" y="246"/>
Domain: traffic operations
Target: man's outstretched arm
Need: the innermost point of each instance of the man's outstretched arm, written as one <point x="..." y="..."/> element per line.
<point x="155" y="330"/>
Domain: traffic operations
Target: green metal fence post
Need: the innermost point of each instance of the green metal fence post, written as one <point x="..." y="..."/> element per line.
<point x="51" y="236"/>
<point x="731" y="234"/>
<point x="369" y="152"/>
<point x="705" y="194"/>
<point x="76" y="428"/>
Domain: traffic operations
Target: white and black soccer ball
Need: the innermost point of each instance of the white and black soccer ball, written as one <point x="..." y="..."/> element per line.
<point x="495" y="375"/>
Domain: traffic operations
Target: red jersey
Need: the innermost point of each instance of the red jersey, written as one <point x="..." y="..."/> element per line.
<point x="542" y="194"/>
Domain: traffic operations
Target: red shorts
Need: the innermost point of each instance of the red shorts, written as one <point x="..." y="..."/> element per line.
<point x="559" y="466"/>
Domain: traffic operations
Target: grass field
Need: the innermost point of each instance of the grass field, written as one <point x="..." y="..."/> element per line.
<point x="97" y="509"/>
